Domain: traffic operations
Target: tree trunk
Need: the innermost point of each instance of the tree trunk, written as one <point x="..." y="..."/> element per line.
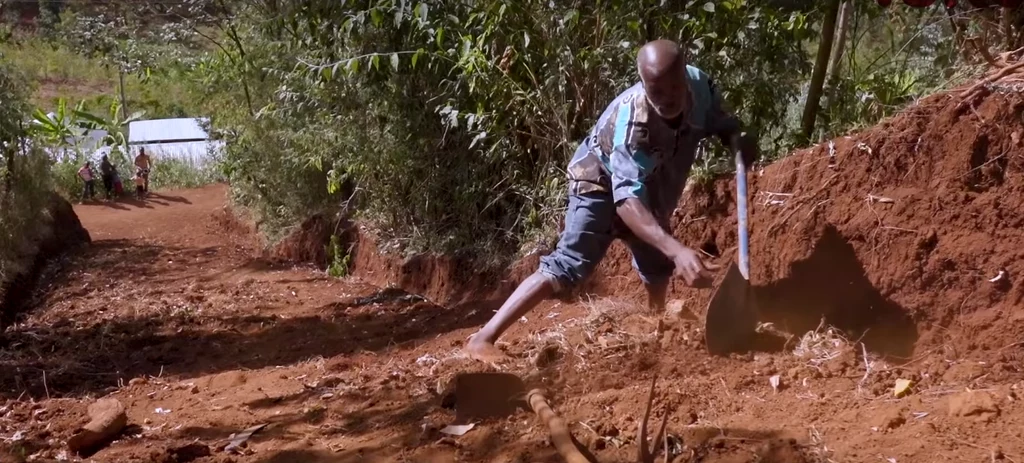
<point x="124" y="100"/>
<point x="842" y="30"/>
<point x="828" y="32"/>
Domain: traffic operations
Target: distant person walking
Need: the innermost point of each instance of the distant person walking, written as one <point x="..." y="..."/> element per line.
<point x="118" y="187"/>
<point x="144" y="164"/>
<point x="107" y="174"/>
<point x="85" y="173"/>
<point x="140" y="185"/>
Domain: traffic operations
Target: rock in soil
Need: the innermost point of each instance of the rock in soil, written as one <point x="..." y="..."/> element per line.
<point x="107" y="419"/>
<point x="975" y="404"/>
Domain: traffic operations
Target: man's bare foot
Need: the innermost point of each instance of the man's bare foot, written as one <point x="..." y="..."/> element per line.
<point x="483" y="351"/>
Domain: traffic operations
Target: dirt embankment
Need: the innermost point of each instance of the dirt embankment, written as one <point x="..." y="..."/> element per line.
<point x="60" y="232"/>
<point x="900" y="235"/>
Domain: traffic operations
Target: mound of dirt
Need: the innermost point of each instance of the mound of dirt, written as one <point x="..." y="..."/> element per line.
<point x="905" y="235"/>
<point x="60" y="232"/>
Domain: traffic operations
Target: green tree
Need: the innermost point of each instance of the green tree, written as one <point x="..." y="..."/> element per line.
<point x="451" y="122"/>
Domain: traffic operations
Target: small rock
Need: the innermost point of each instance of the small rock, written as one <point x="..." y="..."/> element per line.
<point x="188" y="453"/>
<point x="107" y="419"/>
<point x="194" y="390"/>
<point x="974" y="404"/>
<point x="902" y="387"/>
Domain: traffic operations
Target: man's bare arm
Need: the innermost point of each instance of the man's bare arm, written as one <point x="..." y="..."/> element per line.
<point x="642" y="223"/>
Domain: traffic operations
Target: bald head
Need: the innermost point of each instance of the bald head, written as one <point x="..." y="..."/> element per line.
<point x="659" y="58"/>
<point x="662" y="68"/>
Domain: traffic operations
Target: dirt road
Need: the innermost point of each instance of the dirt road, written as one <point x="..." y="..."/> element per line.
<point x="169" y="313"/>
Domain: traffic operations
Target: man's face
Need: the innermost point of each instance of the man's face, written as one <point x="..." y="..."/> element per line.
<point x="667" y="93"/>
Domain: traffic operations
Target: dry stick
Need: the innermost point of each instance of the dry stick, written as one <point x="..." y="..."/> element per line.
<point x="983" y="50"/>
<point x="560" y="435"/>
<point x="867" y="366"/>
<point x="645" y="455"/>
<point x="969" y="94"/>
<point x="45" y="387"/>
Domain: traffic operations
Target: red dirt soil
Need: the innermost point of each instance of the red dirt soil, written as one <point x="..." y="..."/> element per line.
<point x="875" y="255"/>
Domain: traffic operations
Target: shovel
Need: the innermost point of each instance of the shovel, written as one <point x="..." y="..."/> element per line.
<point x="484" y="395"/>
<point x="731" y="321"/>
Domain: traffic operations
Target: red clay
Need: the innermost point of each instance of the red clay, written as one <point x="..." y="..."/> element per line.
<point x="892" y="241"/>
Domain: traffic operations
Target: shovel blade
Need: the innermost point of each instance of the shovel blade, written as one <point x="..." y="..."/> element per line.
<point x="480" y="396"/>
<point x="731" y="321"/>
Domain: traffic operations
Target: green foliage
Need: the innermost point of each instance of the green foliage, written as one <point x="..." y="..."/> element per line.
<point x="24" y="171"/>
<point x="57" y="71"/>
<point x="894" y="57"/>
<point x="451" y="122"/>
<point x="337" y="258"/>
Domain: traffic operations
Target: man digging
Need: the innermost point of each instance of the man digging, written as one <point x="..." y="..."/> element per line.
<point x="624" y="182"/>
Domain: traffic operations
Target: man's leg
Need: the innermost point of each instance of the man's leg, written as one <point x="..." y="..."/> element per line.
<point x="532" y="291"/>
<point x="654" y="269"/>
<point x="580" y="248"/>
<point x="108" y="186"/>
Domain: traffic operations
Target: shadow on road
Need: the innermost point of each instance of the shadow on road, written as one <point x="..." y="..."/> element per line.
<point x="117" y="334"/>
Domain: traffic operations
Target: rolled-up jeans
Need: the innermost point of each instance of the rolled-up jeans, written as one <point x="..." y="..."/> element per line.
<point x="591" y="224"/>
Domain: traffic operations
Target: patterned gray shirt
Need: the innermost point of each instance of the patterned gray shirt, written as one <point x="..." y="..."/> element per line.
<point x="634" y="153"/>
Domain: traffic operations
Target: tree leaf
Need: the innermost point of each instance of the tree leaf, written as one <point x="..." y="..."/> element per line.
<point x="376" y="17"/>
<point x="416" y="57"/>
<point x="375" y="62"/>
<point x="353" y="66"/>
<point x="526" y="40"/>
<point x="477" y="138"/>
<point x="326" y="72"/>
<point x="709" y="7"/>
<point x="394" y="61"/>
<point x="421" y="11"/>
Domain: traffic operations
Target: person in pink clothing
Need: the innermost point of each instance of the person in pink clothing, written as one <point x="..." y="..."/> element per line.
<point x="85" y="173"/>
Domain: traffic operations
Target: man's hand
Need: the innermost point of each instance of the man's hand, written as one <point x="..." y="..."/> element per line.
<point x="688" y="263"/>
<point x="691" y="267"/>
<point x="746" y="144"/>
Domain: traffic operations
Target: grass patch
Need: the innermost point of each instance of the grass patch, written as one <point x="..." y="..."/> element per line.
<point x="172" y="173"/>
<point x="56" y="71"/>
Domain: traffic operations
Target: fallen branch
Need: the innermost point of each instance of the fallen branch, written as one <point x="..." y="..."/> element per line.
<point x="973" y="91"/>
<point x="560" y="435"/>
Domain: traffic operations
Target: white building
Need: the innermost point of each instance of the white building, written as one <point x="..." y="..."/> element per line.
<point x="182" y="138"/>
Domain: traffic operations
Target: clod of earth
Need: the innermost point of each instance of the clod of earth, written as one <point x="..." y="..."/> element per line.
<point x="974" y="404"/>
<point x="107" y="419"/>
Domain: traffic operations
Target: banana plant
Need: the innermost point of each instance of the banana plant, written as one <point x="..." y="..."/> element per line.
<point x="59" y="128"/>
<point x="115" y="126"/>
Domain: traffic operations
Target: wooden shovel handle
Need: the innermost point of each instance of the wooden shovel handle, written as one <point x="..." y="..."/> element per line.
<point x="560" y="435"/>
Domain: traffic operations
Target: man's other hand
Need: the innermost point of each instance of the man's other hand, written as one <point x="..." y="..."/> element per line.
<point x="691" y="268"/>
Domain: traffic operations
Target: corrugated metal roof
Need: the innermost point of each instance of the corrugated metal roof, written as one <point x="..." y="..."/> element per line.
<point x="166" y="130"/>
